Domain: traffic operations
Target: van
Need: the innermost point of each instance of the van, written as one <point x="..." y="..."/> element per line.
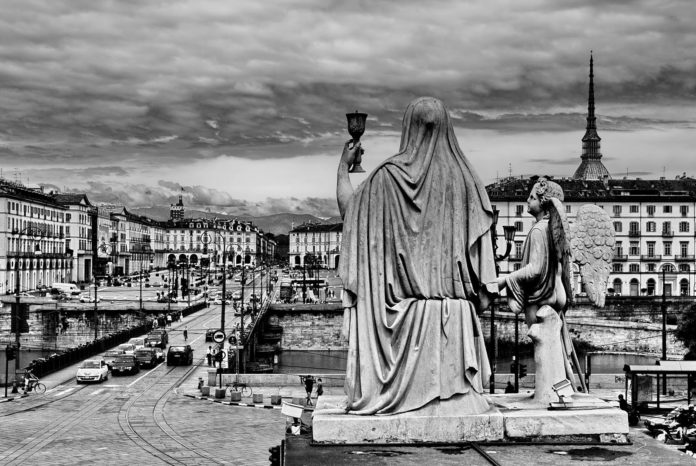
<point x="67" y="288"/>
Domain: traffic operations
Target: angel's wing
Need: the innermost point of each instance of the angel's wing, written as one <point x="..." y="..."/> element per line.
<point x="592" y="243"/>
<point x="560" y="237"/>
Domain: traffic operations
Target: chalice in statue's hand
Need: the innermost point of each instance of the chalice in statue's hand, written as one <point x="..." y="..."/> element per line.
<point x="356" y="128"/>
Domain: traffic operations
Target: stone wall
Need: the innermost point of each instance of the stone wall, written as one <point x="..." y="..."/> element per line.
<point x="314" y="327"/>
<point x="44" y="319"/>
<point x="309" y="327"/>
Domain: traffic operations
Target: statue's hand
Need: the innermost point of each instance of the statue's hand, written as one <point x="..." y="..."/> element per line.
<point x="350" y="154"/>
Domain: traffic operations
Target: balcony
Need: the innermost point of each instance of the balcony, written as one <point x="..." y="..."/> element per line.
<point x="620" y="258"/>
<point x="651" y="257"/>
<point x="667" y="233"/>
<point x="684" y="258"/>
<point x="634" y="233"/>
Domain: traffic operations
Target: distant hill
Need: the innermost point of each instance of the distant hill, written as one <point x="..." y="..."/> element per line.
<point x="276" y="223"/>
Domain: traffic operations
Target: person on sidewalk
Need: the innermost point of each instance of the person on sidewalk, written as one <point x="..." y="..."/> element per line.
<point x="309" y="386"/>
<point x="186" y="333"/>
<point x="169" y="320"/>
<point x="320" y="388"/>
<point x="509" y="388"/>
<point x="209" y="355"/>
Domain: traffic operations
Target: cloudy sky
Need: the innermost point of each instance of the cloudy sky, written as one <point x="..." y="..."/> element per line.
<point x="242" y="103"/>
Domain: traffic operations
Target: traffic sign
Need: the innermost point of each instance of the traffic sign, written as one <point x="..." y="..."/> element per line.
<point x="219" y="336"/>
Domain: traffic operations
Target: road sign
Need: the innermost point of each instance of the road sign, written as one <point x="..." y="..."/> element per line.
<point x="219" y="336"/>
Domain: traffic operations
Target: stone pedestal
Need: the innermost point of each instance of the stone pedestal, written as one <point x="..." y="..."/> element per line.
<point x="205" y="390"/>
<point x="235" y="396"/>
<point x="423" y="426"/>
<point x="257" y="398"/>
<point x="512" y="417"/>
<point x="220" y="393"/>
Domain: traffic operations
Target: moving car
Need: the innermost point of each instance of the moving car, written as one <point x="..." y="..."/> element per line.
<point x="180" y="355"/>
<point x="127" y="348"/>
<point x="125" y="364"/>
<point x="147" y="357"/>
<point x="110" y="355"/>
<point x="209" y="334"/>
<point x="88" y="298"/>
<point x="158" y="337"/>
<point x="92" y="370"/>
<point x="237" y="295"/>
<point x="139" y="343"/>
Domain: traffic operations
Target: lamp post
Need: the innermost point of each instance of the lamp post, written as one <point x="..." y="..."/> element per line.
<point x="144" y="251"/>
<point x="509" y="234"/>
<point x="207" y="239"/>
<point x="33" y="233"/>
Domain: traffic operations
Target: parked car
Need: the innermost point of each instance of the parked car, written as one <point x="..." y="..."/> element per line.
<point x="158" y="337"/>
<point x="138" y="342"/>
<point x="88" y="298"/>
<point x="92" y="370"/>
<point x="125" y="364"/>
<point x="127" y="348"/>
<point x="147" y="357"/>
<point x="180" y="355"/>
<point x="110" y="355"/>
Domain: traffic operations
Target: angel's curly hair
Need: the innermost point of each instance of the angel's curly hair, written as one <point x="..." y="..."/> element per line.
<point x="547" y="190"/>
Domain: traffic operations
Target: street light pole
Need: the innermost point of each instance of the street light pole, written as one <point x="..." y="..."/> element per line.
<point x="37" y="251"/>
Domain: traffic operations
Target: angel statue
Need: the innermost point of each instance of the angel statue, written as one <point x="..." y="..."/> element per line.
<point x="542" y="286"/>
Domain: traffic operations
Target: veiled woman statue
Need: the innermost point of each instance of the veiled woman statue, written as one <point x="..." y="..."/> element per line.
<point x="417" y="265"/>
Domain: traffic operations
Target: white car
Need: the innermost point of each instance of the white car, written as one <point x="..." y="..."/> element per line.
<point x="88" y="298"/>
<point x="139" y="343"/>
<point x="126" y="348"/>
<point x="92" y="370"/>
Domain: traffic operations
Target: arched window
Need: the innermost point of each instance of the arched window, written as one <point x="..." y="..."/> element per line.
<point x="683" y="287"/>
<point x="667" y="268"/>
<point x="634" y="287"/>
<point x="651" y="286"/>
<point x="618" y="284"/>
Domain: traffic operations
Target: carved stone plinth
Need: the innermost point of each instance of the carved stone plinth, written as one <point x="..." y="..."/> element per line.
<point x="442" y="425"/>
<point x="512" y="417"/>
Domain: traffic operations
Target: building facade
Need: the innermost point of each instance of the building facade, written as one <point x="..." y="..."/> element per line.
<point x="654" y="221"/>
<point x="33" y="247"/>
<point x="78" y="233"/>
<point x="321" y="240"/>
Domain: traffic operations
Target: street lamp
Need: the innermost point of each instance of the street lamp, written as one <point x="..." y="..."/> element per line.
<point x="33" y="233"/>
<point x="144" y="250"/>
<point x="206" y="238"/>
<point x="509" y="234"/>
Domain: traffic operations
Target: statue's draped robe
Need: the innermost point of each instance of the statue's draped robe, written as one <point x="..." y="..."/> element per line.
<point x="416" y="263"/>
<point x="534" y="282"/>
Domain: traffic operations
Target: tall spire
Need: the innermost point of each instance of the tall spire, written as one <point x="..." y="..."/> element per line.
<point x="591" y="167"/>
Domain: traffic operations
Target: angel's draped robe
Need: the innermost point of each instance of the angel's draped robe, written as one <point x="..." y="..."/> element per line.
<point x="416" y="263"/>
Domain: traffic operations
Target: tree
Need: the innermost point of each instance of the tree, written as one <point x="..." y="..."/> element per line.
<point x="686" y="331"/>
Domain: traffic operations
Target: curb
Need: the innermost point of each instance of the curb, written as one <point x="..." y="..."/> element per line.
<point x="234" y="403"/>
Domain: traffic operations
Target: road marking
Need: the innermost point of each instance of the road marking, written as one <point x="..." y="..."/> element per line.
<point x="144" y="375"/>
<point x="64" y="391"/>
<point x="96" y="392"/>
<point x="112" y="386"/>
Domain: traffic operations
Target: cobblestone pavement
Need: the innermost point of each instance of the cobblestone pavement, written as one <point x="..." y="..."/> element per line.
<point x="139" y="419"/>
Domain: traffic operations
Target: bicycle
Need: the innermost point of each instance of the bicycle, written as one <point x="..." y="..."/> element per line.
<point x="246" y="390"/>
<point x="37" y="387"/>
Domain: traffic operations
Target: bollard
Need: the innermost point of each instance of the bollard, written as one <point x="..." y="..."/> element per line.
<point x="276" y="400"/>
<point x="236" y="396"/>
<point x="220" y="393"/>
<point x="257" y="398"/>
<point x="205" y="391"/>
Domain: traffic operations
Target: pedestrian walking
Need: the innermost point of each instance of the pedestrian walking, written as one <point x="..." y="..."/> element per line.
<point x="169" y="320"/>
<point x="186" y="333"/>
<point x="320" y="388"/>
<point x="309" y="386"/>
<point x="209" y="355"/>
<point x="214" y="356"/>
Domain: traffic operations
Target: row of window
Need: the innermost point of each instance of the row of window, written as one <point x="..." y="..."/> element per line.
<point x="617" y="210"/>
<point x="34" y="211"/>
<point x="634" y="248"/>
<point x="651" y="227"/>
<point x="650" y="267"/>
